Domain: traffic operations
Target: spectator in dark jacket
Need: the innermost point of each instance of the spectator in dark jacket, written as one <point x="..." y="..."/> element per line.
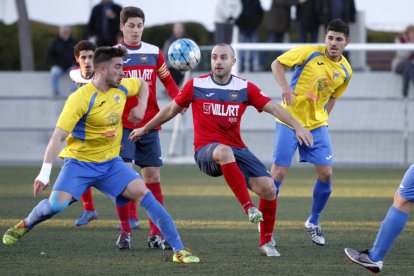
<point x="248" y="23"/>
<point x="103" y="26"/>
<point x="278" y="21"/>
<point x="309" y="23"/>
<point x="331" y="9"/>
<point x="59" y="55"/>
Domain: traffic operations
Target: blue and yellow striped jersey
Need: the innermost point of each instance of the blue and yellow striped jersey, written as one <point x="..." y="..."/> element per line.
<point x="315" y="79"/>
<point x="94" y="121"/>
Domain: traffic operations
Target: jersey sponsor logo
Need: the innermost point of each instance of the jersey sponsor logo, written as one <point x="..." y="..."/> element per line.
<point x="234" y="95"/>
<point x="137" y="73"/>
<point x="320" y="63"/>
<point x="99" y="105"/>
<point x="401" y="186"/>
<point x="210" y="94"/>
<point x="117" y="98"/>
<point x="335" y="75"/>
<point x="126" y="61"/>
<point x="221" y="109"/>
<point x="329" y="157"/>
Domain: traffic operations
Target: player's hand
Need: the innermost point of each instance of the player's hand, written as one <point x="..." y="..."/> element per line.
<point x="304" y="136"/>
<point x="136" y="134"/>
<point x="38" y="187"/>
<point x="135" y="115"/>
<point x="288" y="95"/>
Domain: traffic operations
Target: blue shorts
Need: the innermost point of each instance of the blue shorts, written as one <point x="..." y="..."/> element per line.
<point x="110" y="177"/>
<point x="249" y="164"/>
<point x="146" y="152"/>
<point x="406" y="188"/>
<point x="286" y="144"/>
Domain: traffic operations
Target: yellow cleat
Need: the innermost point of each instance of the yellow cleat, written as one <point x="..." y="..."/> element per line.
<point x="185" y="256"/>
<point x="15" y="233"/>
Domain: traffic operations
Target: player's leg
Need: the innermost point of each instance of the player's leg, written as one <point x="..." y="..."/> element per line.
<point x="284" y="148"/>
<point x="129" y="186"/>
<point x="89" y="212"/>
<point x="148" y="157"/>
<point x="68" y="186"/>
<point x="127" y="214"/>
<point x="45" y="209"/>
<point x="320" y="154"/>
<point x="259" y="181"/>
<point x="217" y="159"/>
<point x="391" y="227"/>
<point x="396" y="218"/>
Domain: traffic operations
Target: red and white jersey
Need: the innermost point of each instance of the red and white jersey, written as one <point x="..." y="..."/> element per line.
<point x="146" y="61"/>
<point x="76" y="76"/>
<point x="218" y="108"/>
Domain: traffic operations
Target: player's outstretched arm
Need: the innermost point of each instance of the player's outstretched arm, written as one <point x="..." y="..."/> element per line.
<point x="304" y="136"/>
<point x="164" y="115"/>
<point x="136" y="115"/>
<point x="55" y="144"/>
<point x="278" y="70"/>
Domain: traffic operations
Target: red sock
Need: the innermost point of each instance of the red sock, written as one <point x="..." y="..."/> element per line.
<point x="133" y="210"/>
<point x="87" y="200"/>
<point x="155" y="188"/>
<point x="123" y="216"/>
<point x="237" y="183"/>
<point x="268" y="209"/>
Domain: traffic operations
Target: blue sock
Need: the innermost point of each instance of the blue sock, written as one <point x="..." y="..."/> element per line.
<point x="277" y="184"/>
<point x="163" y="220"/>
<point x="393" y="224"/>
<point x="321" y="193"/>
<point x="41" y="212"/>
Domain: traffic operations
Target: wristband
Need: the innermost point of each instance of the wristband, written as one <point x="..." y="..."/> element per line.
<point x="44" y="174"/>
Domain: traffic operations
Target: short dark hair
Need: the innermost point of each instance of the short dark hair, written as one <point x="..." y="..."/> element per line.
<point x="83" y="45"/>
<point x="338" y="25"/>
<point x="129" y="12"/>
<point x="106" y="53"/>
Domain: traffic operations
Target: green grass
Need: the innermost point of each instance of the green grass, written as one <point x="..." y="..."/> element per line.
<point x="211" y="222"/>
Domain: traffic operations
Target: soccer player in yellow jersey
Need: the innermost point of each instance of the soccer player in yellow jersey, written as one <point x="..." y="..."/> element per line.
<point x="321" y="75"/>
<point x="92" y="127"/>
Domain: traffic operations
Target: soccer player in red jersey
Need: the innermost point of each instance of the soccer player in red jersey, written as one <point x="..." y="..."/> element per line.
<point x="145" y="61"/>
<point x="219" y="100"/>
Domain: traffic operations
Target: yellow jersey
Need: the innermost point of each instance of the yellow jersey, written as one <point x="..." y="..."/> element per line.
<point x="315" y="79"/>
<point x="94" y="121"/>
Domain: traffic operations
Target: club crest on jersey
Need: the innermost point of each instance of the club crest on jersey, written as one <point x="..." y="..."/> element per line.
<point x="143" y="58"/>
<point x="206" y="108"/>
<point x="117" y="98"/>
<point x="335" y="75"/>
<point x="234" y="95"/>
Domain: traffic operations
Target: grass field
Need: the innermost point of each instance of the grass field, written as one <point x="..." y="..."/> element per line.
<point x="211" y="222"/>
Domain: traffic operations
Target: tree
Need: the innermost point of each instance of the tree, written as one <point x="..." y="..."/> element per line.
<point x="25" y="37"/>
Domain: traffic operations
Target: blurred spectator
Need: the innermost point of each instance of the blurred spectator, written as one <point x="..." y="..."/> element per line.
<point x="278" y="21"/>
<point x="59" y="55"/>
<point x="103" y="26"/>
<point x="340" y="9"/>
<point x="403" y="63"/>
<point x="307" y="17"/>
<point x="178" y="31"/>
<point x="330" y="9"/>
<point x="248" y="23"/>
<point x="225" y="15"/>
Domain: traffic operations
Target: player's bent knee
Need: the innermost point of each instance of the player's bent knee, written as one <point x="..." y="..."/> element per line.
<point x="56" y="205"/>
<point x="223" y="153"/>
